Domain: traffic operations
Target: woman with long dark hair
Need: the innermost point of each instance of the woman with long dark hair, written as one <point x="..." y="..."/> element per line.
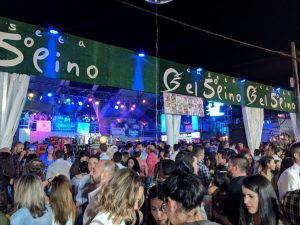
<point x="261" y="206"/>
<point x="156" y="213"/>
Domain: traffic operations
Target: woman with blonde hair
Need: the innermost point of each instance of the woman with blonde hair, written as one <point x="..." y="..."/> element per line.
<point x="119" y="199"/>
<point x="30" y="206"/>
<point x="64" y="209"/>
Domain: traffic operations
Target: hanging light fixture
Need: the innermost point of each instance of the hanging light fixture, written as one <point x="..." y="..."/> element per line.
<point x="158" y="1"/>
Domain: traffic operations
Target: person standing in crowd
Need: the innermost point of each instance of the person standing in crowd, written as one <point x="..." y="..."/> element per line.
<point x="203" y="171"/>
<point x="290" y="179"/>
<point x="7" y="171"/>
<point x="151" y="162"/>
<point x="218" y="188"/>
<point x="156" y="207"/>
<point x="189" y="147"/>
<point x="85" y="182"/>
<point x="175" y="152"/>
<point x="222" y="157"/>
<point x="61" y="201"/>
<point x="69" y="153"/>
<point x="163" y="169"/>
<point x="241" y="148"/>
<point x="60" y="166"/>
<point x="48" y="157"/>
<point x="232" y="146"/>
<point x="103" y="152"/>
<point x="133" y="164"/>
<point x="260" y="204"/>
<point x="143" y="165"/>
<point x="100" y="175"/>
<point x="18" y="155"/>
<point x="291" y="206"/>
<point x="268" y="166"/>
<point x="119" y="199"/>
<point x="237" y="169"/>
<point x="30" y="206"/>
<point x="183" y="196"/>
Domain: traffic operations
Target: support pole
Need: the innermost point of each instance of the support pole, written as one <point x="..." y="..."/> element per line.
<point x="296" y="79"/>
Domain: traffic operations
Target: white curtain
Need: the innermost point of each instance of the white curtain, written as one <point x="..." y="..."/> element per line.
<point x="13" y="93"/>
<point x="173" y="128"/>
<point x="294" y="126"/>
<point x="253" y="122"/>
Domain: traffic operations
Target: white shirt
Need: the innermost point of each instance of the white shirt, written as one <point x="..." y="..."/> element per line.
<point x="102" y="218"/>
<point x="289" y="180"/>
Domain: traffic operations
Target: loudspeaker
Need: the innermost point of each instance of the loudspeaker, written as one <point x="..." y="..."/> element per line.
<point x="237" y="133"/>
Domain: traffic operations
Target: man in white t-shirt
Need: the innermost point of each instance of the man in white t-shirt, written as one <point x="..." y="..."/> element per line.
<point x="289" y="180"/>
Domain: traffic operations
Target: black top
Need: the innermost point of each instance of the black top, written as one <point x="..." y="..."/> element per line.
<point x="233" y="200"/>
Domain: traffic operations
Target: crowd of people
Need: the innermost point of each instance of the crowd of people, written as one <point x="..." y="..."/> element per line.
<point x="143" y="183"/>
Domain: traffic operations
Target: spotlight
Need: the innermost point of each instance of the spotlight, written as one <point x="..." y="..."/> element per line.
<point x="144" y="101"/>
<point x="80" y="103"/>
<point x="49" y="94"/>
<point x="243" y="81"/>
<point x="133" y="106"/>
<point x="141" y="54"/>
<point x="277" y="89"/>
<point x="118" y="102"/>
<point x="122" y="106"/>
<point x="97" y="102"/>
<point x="52" y="31"/>
<point x="31" y="95"/>
<point x="116" y="107"/>
<point x="199" y="70"/>
<point x="68" y="100"/>
<point x="90" y="99"/>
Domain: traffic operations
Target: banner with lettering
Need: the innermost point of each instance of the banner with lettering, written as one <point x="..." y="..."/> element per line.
<point x="33" y="50"/>
<point x="220" y="88"/>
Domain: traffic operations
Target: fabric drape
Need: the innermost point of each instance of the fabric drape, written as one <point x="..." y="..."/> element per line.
<point x="13" y="94"/>
<point x="253" y="122"/>
<point x="173" y="128"/>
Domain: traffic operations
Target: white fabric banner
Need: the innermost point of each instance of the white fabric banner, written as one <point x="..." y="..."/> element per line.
<point x="13" y="94"/>
<point x="293" y="117"/>
<point x="173" y="128"/>
<point x="253" y="122"/>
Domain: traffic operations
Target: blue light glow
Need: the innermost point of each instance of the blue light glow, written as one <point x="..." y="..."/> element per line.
<point x="195" y="124"/>
<point x="163" y="123"/>
<point x="243" y="81"/>
<point x="52" y="31"/>
<point x="49" y="94"/>
<point x="116" y="107"/>
<point x="141" y="54"/>
<point x="80" y="103"/>
<point x="277" y="89"/>
<point x="199" y="70"/>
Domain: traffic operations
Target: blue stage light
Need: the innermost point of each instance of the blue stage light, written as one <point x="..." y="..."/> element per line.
<point x="141" y="54"/>
<point x="52" y="31"/>
<point x="80" y="103"/>
<point x="116" y="107"/>
<point x="243" y="81"/>
<point x="199" y="70"/>
<point x="49" y="94"/>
